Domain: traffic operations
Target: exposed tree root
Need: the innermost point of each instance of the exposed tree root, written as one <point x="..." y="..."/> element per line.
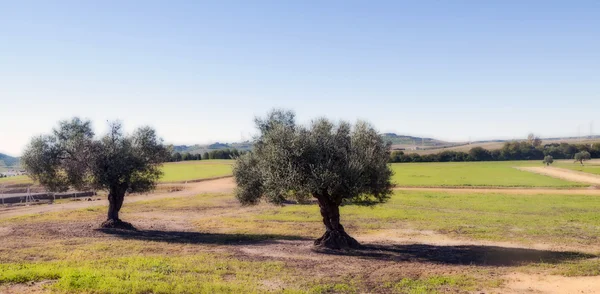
<point x="117" y="224"/>
<point x="337" y="240"/>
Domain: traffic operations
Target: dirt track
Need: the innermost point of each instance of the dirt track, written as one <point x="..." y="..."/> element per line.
<point x="216" y="186"/>
<point x="565" y="174"/>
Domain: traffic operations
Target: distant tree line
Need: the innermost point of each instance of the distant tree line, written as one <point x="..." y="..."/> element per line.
<point x="214" y="154"/>
<point x="524" y="150"/>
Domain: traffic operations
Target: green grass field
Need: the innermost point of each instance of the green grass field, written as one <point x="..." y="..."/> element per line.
<point x="486" y="174"/>
<point x="173" y="172"/>
<point x="489" y="174"/>
<point x="193" y="170"/>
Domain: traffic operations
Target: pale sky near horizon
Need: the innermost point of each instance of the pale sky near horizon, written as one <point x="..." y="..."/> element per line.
<point x="199" y="71"/>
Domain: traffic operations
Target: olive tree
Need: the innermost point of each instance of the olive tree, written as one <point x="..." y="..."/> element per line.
<point x="582" y="156"/>
<point x="548" y="160"/>
<point x="333" y="163"/>
<point x="71" y="157"/>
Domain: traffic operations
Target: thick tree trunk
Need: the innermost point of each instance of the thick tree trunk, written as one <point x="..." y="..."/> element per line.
<point x="115" y="202"/>
<point x="335" y="236"/>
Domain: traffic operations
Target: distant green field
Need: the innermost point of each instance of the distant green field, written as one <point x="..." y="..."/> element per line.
<point x="497" y="173"/>
<point x="15" y="180"/>
<point x="197" y="169"/>
<point x="593" y="168"/>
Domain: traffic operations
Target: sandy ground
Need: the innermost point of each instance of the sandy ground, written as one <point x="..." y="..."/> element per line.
<point x="565" y="174"/>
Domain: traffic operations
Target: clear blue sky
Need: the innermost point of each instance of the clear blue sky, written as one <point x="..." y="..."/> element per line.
<point x="199" y="71"/>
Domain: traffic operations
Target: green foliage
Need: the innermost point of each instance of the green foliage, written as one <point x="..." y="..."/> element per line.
<point x="71" y="157"/>
<point x="548" y="160"/>
<point x="524" y="150"/>
<point x="479" y="154"/>
<point x="582" y="156"/>
<point x="336" y="161"/>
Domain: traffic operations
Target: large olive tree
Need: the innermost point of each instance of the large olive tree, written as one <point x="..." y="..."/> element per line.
<point x="334" y="163"/>
<point x="71" y="157"/>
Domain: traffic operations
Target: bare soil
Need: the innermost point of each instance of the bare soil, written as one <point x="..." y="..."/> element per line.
<point x="565" y="174"/>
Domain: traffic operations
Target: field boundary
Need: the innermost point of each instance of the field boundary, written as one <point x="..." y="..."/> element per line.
<point x="565" y="188"/>
<point x="523" y="191"/>
<point x="196" y="180"/>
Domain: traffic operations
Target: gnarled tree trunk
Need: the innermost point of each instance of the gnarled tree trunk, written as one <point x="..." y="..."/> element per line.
<point x="335" y="236"/>
<point x="115" y="202"/>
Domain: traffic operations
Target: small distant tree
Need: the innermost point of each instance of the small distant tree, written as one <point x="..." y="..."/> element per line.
<point x="333" y="163"/>
<point x="548" y="160"/>
<point x="534" y="140"/>
<point x="205" y="156"/>
<point x="582" y="156"/>
<point x="71" y="157"/>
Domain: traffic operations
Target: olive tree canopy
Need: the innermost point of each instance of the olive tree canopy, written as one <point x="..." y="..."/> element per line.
<point x="333" y="162"/>
<point x="71" y="157"/>
<point x="548" y="160"/>
<point x="582" y="156"/>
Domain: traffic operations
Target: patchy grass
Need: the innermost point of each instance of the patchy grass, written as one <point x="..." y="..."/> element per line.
<point x="208" y="243"/>
<point x="485" y="174"/>
<point x="198" y="273"/>
<point x="434" y="284"/>
<point x="506" y="217"/>
<point x="196" y="169"/>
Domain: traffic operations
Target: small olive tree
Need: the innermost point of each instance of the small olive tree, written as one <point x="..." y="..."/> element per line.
<point x="548" y="160"/>
<point x="334" y="163"/>
<point x="582" y="156"/>
<point x="72" y="158"/>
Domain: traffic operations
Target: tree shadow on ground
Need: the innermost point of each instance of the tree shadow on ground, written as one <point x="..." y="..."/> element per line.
<point x="461" y="255"/>
<point x="181" y="237"/>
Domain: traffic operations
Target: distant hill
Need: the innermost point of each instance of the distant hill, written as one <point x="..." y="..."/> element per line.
<point x="410" y="142"/>
<point x="6" y="160"/>
<point x="195" y="149"/>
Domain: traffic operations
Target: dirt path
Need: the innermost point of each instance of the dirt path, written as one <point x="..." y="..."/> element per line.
<point x="526" y="283"/>
<point x="565" y="174"/>
<point x="215" y="186"/>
